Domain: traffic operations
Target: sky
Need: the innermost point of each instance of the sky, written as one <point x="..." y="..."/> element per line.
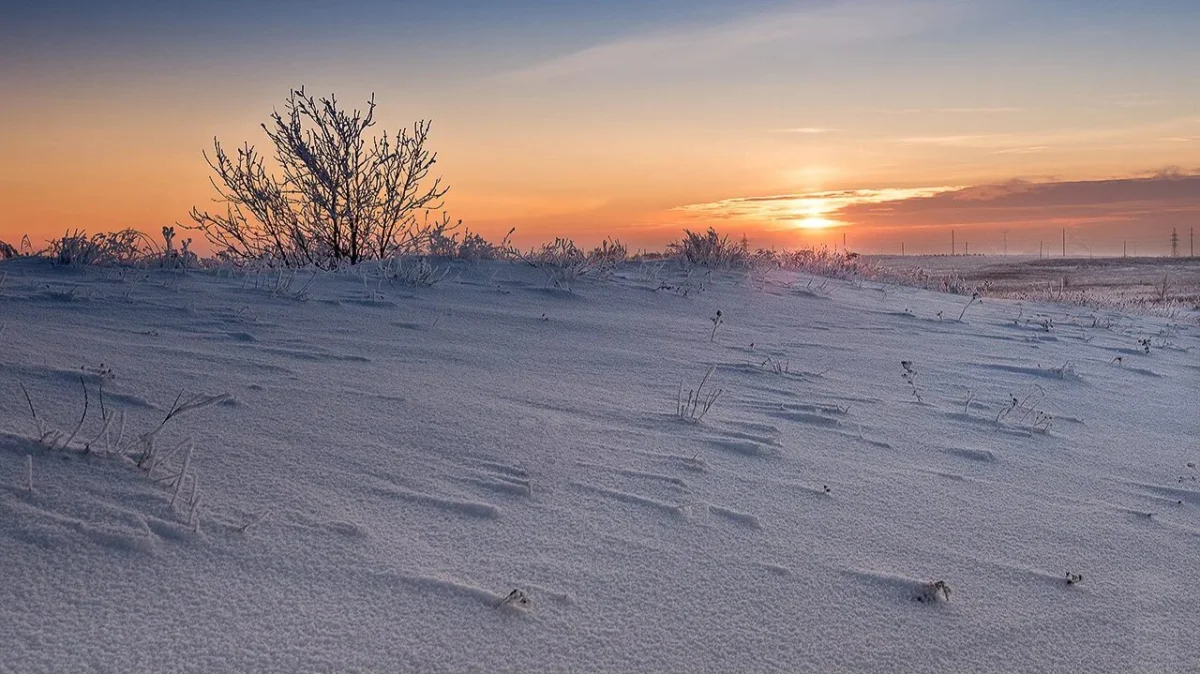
<point x="881" y="124"/>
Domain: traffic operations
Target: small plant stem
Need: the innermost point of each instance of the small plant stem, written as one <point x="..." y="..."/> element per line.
<point x="41" y="431"/>
<point x="82" y="417"/>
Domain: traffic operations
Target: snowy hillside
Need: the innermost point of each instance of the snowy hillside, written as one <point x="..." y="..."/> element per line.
<point x="392" y="463"/>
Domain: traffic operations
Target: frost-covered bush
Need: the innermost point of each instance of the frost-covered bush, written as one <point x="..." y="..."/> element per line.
<point x="442" y="244"/>
<point x="818" y="261"/>
<point x="563" y="261"/>
<point x="124" y="247"/>
<point x="944" y="282"/>
<point x="171" y="258"/>
<point x="7" y="251"/>
<point x="327" y="193"/>
<point x="469" y="246"/>
<point x="77" y="249"/>
<point x="716" y="251"/>
<point x="712" y="250"/>
<point x="413" y="272"/>
<point x="474" y="247"/>
<point x="610" y="252"/>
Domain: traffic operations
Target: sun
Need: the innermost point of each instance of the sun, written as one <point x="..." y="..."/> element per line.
<point x="816" y="222"/>
<point x="810" y="212"/>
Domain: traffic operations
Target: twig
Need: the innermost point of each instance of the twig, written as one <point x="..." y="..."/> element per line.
<point x="171" y="412"/>
<point x="41" y="431"/>
<point x="82" y="417"/>
<point x="187" y="462"/>
<point x="145" y="461"/>
<point x="87" y="446"/>
<point x="194" y="515"/>
<point x="974" y="297"/>
<point x="698" y="403"/>
<point x="515" y="597"/>
<point x="114" y="446"/>
<point x="716" y="321"/>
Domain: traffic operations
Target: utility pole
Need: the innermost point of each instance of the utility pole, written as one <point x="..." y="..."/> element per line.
<point x="1192" y="242"/>
<point x="844" y="241"/>
<point x="1174" y="243"/>
<point x="952" y="243"/>
<point x="901" y="249"/>
<point x="1064" y="241"/>
<point x="1039" y="250"/>
<point x="967" y="248"/>
<point x="1006" y="243"/>
<point x="1123" y="247"/>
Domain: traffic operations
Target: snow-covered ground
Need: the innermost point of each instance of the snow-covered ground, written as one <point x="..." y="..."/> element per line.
<point x="393" y="462"/>
<point x="1158" y="286"/>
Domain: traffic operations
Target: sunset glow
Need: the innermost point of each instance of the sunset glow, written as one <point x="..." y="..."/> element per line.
<point x="813" y="211"/>
<point x="888" y="122"/>
<point x="815" y="222"/>
<point x="810" y="214"/>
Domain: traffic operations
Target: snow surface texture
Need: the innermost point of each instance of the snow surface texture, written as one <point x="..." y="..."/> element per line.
<point x="394" y="462"/>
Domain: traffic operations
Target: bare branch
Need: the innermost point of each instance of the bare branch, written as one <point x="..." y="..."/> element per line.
<point x="332" y="195"/>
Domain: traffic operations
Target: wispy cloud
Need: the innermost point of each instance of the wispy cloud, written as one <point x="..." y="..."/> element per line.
<point x="808" y="26"/>
<point x="969" y="110"/>
<point x="1163" y="199"/>
<point x="1137" y="100"/>
<point x="961" y="140"/>
<point x="1109" y="208"/>
<point x="1032" y="149"/>
<point x="1038" y="141"/>
<point x="804" y="130"/>
<point x="810" y="206"/>
<point x="979" y="111"/>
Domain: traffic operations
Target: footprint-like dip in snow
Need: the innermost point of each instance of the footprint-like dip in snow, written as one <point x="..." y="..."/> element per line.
<point x="980" y="455"/>
<point x="457" y="506"/>
<point x="452" y="588"/>
<point x="499" y="483"/>
<point x="694" y="464"/>
<point x="744" y="519"/>
<point x="805" y="417"/>
<point x="316" y="355"/>
<point x="628" y="472"/>
<point x="741" y="447"/>
<point x="626" y="497"/>
<point x="934" y="591"/>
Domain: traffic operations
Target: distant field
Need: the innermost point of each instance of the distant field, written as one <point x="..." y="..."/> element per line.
<point x="1158" y="285"/>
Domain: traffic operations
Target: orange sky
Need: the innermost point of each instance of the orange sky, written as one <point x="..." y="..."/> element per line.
<point x="641" y="129"/>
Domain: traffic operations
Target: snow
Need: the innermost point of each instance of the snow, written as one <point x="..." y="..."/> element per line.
<point x="393" y="462"/>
